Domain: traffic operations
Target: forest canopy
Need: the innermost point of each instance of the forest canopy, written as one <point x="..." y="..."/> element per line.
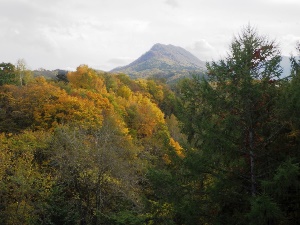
<point x="96" y="148"/>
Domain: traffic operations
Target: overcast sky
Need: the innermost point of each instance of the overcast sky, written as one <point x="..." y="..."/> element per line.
<point x="105" y="34"/>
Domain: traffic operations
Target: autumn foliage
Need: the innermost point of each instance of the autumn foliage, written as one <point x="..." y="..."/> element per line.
<point x="95" y="148"/>
<point x="74" y="151"/>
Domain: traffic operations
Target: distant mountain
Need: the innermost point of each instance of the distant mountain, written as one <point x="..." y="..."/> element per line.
<point x="164" y="61"/>
<point x="286" y="66"/>
<point x="48" y="74"/>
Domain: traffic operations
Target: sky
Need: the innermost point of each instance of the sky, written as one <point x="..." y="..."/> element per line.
<point x="104" y="34"/>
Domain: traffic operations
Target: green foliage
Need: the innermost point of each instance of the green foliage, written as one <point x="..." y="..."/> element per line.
<point x="264" y="211"/>
<point x="106" y="149"/>
<point x="23" y="75"/>
<point x="96" y="170"/>
<point x="62" y="165"/>
<point x="289" y="107"/>
<point x="57" y="209"/>
<point x="24" y="184"/>
<point x="127" y="218"/>
<point x="285" y="179"/>
<point x="7" y="74"/>
<point x="295" y="64"/>
<point x="232" y="122"/>
<point x="62" y="76"/>
<point x="284" y="188"/>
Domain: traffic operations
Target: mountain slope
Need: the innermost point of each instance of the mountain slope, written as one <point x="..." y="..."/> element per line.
<point x="166" y="61"/>
<point x="286" y="65"/>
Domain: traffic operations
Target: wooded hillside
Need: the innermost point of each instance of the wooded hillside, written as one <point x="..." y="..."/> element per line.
<point x="91" y="148"/>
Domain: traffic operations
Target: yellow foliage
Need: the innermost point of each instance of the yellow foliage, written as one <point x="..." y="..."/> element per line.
<point x="19" y="172"/>
<point x="86" y="78"/>
<point x="47" y="105"/>
<point x="155" y="90"/>
<point x="177" y="147"/>
<point x="124" y="92"/>
<point x="148" y="116"/>
<point x="98" y="100"/>
<point x="294" y="134"/>
<point x="142" y="83"/>
<point x="5" y="156"/>
<point x="166" y="159"/>
<point x="69" y="109"/>
<point x="162" y="210"/>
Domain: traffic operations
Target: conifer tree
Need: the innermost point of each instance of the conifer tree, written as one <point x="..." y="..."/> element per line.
<point x="231" y="121"/>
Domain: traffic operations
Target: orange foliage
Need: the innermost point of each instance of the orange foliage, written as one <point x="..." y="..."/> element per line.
<point x="147" y="116"/>
<point x="47" y="105"/>
<point x="86" y="78"/>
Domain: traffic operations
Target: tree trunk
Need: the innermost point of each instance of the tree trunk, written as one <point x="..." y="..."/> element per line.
<point x="252" y="163"/>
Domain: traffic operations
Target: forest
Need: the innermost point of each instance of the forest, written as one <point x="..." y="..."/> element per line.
<point x="96" y="148"/>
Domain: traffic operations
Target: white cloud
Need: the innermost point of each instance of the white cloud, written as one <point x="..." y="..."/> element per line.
<point x="284" y="1"/>
<point x="120" y="61"/>
<point x="288" y="44"/>
<point x="131" y="25"/>
<point x="202" y="49"/>
<point x="202" y="45"/>
<point x="172" y="3"/>
<point x="109" y="33"/>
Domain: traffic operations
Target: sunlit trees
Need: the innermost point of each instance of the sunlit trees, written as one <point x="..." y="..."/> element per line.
<point x="42" y="105"/>
<point x="144" y="117"/>
<point x="86" y="78"/>
<point x="24" y="185"/>
<point x="105" y="149"/>
<point x="75" y="153"/>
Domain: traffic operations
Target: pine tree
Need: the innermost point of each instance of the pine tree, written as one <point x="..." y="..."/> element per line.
<point x="284" y="185"/>
<point x="231" y="121"/>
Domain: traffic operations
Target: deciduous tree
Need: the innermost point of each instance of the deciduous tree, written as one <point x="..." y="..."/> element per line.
<point x="7" y="74"/>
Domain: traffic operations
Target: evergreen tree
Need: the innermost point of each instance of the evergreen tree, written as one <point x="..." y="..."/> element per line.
<point x="231" y="121"/>
<point x="284" y="185"/>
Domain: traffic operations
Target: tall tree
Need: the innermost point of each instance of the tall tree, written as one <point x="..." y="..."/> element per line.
<point x="231" y="121"/>
<point x="284" y="185"/>
<point x="22" y="73"/>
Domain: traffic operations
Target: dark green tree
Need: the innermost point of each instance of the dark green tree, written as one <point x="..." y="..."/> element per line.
<point x="231" y="120"/>
<point x="62" y="76"/>
<point x="284" y="185"/>
<point x="7" y="74"/>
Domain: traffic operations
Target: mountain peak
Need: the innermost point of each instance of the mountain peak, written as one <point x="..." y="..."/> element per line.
<point x="159" y="46"/>
<point x="163" y="60"/>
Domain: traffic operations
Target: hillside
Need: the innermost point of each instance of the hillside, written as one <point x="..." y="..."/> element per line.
<point x="164" y="61"/>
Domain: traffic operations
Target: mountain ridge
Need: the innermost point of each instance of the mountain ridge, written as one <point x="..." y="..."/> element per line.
<point x="164" y="61"/>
